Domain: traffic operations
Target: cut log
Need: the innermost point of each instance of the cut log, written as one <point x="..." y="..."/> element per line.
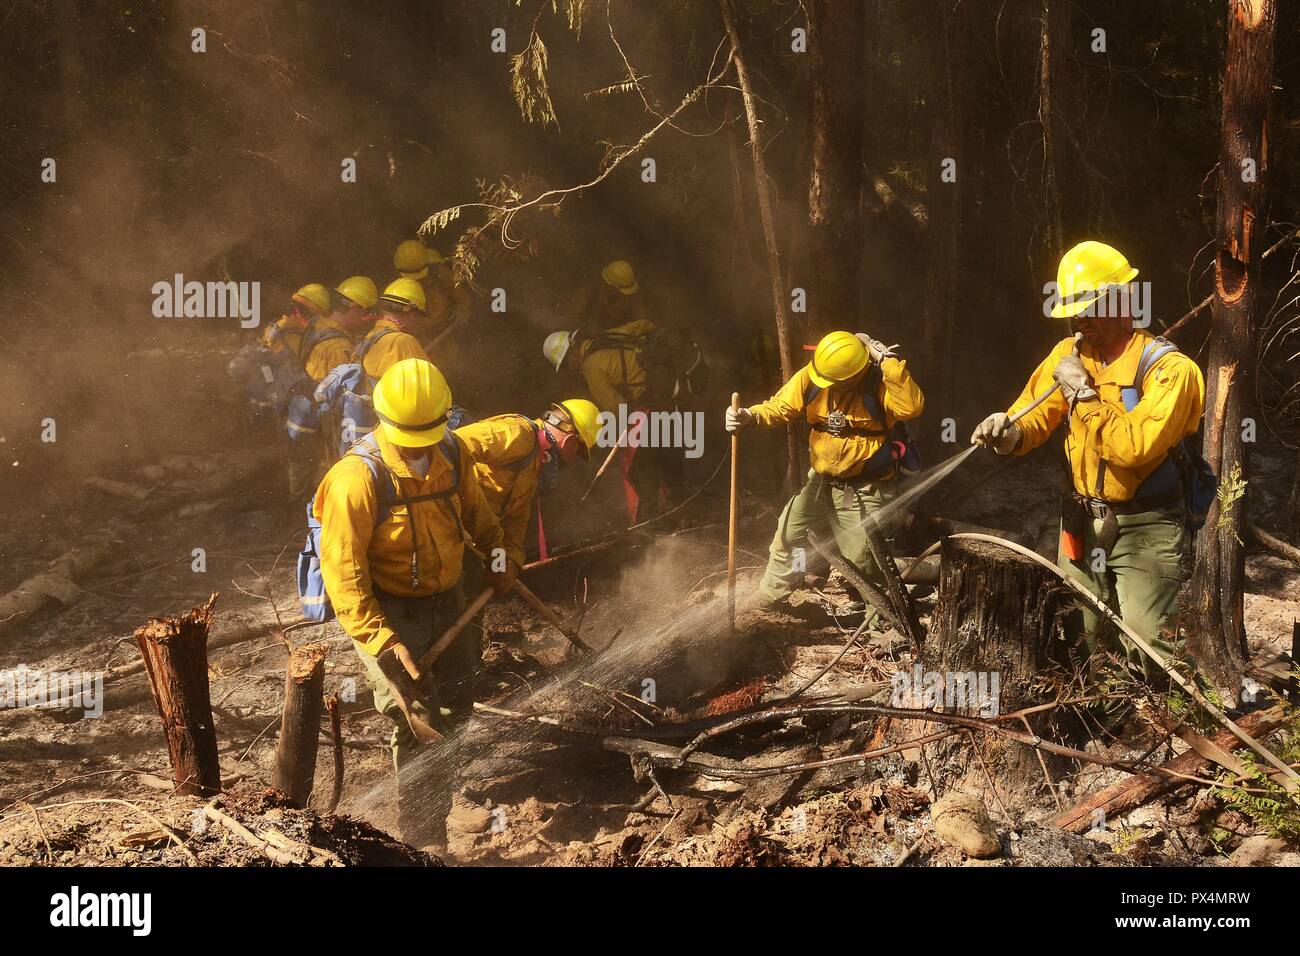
<point x="994" y="643"/>
<point x="1130" y="794"/>
<point x="295" y="753"/>
<point x="175" y="651"/>
<point x="59" y="581"/>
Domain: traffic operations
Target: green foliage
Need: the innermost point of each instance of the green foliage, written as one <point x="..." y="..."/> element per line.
<point x="1274" y="811"/>
<point x="528" y="83"/>
<point x="1231" y="490"/>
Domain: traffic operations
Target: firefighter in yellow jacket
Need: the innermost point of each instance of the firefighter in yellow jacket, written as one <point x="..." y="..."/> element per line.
<point x="394" y="514"/>
<point x="614" y="364"/>
<point x="854" y="394"/>
<point x="392" y="338"/>
<point x="517" y="457"/>
<point x="312" y="333"/>
<point x="1128" y="400"/>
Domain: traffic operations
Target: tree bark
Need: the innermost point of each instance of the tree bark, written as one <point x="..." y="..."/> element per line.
<point x="764" y="197"/>
<point x="175" y="651"/>
<point x="998" y="614"/>
<point x="295" y="752"/>
<point x="836" y="54"/>
<point x="1217" y="638"/>
<point x="944" y="203"/>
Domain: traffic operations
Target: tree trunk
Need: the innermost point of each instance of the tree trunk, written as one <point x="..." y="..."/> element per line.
<point x="1053" y="58"/>
<point x="764" y="197"/>
<point x="836" y="53"/>
<point x="944" y="204"/>
<point x="295" y="753"/>
<point x="997" y="616"/>
<point x="175" y="653"/>
<point x="1217" y="638"/>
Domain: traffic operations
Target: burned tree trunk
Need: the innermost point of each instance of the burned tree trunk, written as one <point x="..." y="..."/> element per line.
<point x="295" y="753"/>
<point x="996" y="634"/>
<point x="1216" y="636"/>
<point x="836" y="54"/>
<point x="175" y="653"/>
<point x="764" y="197"/>
<point x="944" y="199"/>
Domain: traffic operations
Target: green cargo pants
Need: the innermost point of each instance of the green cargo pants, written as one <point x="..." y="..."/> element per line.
<point x="445" y="696"/>
<point x="1139" y="580"/>
<point x="820" y="507"/>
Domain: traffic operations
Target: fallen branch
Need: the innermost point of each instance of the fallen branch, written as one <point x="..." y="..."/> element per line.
<point x="277" y="848"/>
<point x="1276" y="545"/>
<point x="1130" y="794"/>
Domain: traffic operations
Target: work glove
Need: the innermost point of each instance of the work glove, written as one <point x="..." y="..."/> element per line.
<point x="404" y="657"/>
<point x="503" y="582"/>
<point x="738" y="418"/>
<point x="878" y="350"/>
<point x="1076" y="385"/>
<point x="997" y="432"/>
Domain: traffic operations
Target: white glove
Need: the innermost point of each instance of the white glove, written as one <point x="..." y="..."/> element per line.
<point x="997" y="432"/>
<point x="1074" y="380"/>
<point x="738" y="418"/>
<point x="879" y="350"/>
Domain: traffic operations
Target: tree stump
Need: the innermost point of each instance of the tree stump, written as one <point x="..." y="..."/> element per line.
<point x="295" y="753"/>
<point x="997" y="634"/>
<point x="175" y="651"/>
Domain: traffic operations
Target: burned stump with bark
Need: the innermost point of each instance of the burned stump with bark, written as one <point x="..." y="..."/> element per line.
<point x="997" y="645"/>
<point x="175" y="651"/>
<point x="304" y="701"/>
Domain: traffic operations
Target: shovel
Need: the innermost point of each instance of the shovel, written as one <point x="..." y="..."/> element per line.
<point x="537" y="604"/>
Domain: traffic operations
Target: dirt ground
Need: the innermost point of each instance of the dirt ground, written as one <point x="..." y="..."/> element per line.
<point x="80" y="790"/>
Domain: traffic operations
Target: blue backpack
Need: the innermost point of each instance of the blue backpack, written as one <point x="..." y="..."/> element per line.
<point x="348" y="388"/>
<point x="1183" y="466"/>
<point x="312" y="595"/>
<point x="268" y="380"/>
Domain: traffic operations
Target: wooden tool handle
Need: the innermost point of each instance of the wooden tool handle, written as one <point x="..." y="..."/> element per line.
<point x="449" y="635"/>
<point x="731" y="519"/>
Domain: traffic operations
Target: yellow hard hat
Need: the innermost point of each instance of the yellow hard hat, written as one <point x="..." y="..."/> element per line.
<point x="412" y="259"/>
<point x="359" y="289"/>
<point x="619" y="274"/>
<point x="1084" y="275"/>
<point x="585" y="417"/>
<point x="556" y="347"/>
<point x="405" y="292"/>
<point x="411" y="402"/>
<point x="314" y="297"/>
<point x="838" y="357"/>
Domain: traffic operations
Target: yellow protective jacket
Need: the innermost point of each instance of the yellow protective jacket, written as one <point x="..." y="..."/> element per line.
<point x="845" y="455"/>
<point x="328" y="353"/>
<point x="615" y="376"/>
<point x="506" y="462"/>
<point x="1132" y="444"/>
<point x="356" y="556"/>
<point x="391" y="348"/>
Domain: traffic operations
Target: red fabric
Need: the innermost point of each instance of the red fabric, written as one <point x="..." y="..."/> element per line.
<point x="541" y="532"/>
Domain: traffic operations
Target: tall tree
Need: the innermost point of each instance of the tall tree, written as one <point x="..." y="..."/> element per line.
<point x="944" y="199"/>
<point x="764" y="196"/>
<point x="1217" y="638"/>
<point x="836" y="57"/>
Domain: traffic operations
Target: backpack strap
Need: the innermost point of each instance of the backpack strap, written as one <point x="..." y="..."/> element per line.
<point x="869" y="390"/>
<point x="314" y="336"/>
<point x="367" y="343"/>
